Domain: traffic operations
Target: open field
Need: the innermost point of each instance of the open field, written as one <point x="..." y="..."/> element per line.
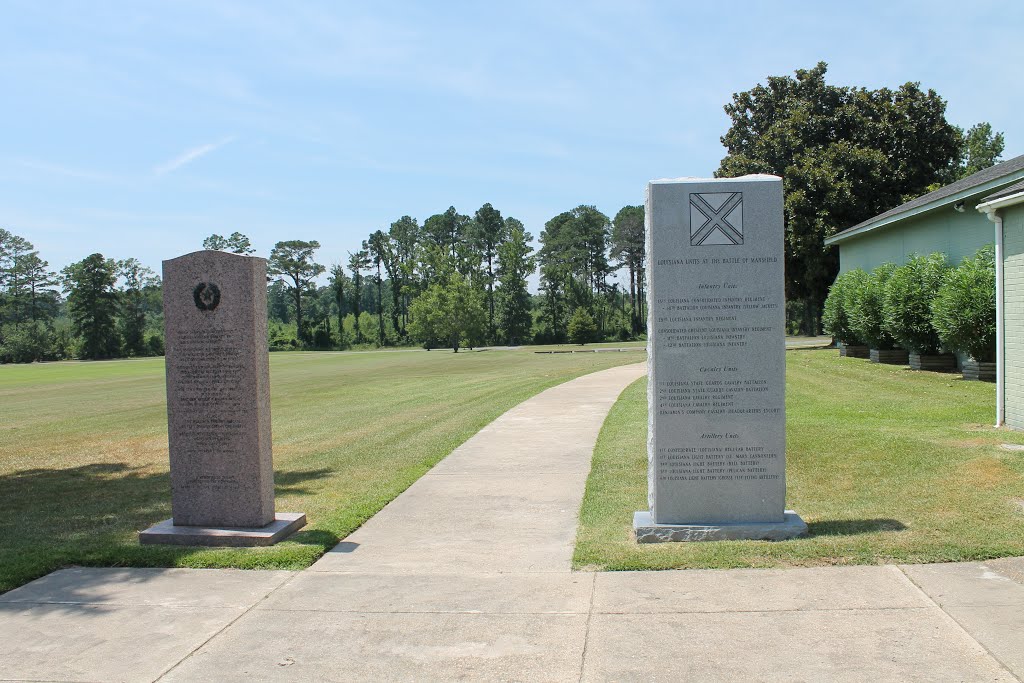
<point x="791" y="342"/>
<point x="83" y="447"/>
<point x="885" y="464"/>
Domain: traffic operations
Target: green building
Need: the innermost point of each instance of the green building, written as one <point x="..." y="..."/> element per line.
<point x="958" y="219"/>
<point x="1005" y="209"/>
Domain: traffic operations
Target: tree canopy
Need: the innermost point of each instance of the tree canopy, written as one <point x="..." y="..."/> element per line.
<point x="292" y="261"/>
<point x="92" y="305"/>
<point x="236" y="243"/>
<point x="981" y="149"/>
<point x="845" y="154"/>
<point x="449" y="312"/>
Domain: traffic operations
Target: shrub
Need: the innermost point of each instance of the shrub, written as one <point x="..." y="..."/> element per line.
<point x="864" y="306"/>
<point x="63" y="339"/>
<point x="907" y="302"/>
<point x="836" y="317"/>
<point x="321" y="338"/>
<point x="24" y="343"/>
<point x="964" y="309"/>
<point x="155" y="345"/>
<point x="582" y="328"/>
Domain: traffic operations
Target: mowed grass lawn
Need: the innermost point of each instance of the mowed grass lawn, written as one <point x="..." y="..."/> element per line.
<point x="83" y="448"/>
<point x="885" y="465"/>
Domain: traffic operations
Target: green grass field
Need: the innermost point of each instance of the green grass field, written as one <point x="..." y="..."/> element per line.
<point x="885" y="465"/>
<point x="83" y="447"/>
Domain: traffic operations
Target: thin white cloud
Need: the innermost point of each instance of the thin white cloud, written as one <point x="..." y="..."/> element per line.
<point x="190" y="155"/>
<point x="61" y="170"/>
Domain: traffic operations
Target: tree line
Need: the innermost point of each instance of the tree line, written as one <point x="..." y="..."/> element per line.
<point x="455" y="280"/>
<point x="845" y="154"/>
<point x="95" y="308"/>
<point x="462" y="280"/>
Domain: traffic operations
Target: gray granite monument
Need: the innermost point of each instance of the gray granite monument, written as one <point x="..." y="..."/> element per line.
<point x="218" y="404"/>
<point x="716" y="362"/>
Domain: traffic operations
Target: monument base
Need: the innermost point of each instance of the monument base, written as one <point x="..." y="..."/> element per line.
<point x="649" y="532"/>
<point x="284" y="525"/>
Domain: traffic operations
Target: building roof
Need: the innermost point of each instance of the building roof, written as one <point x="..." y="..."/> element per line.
<point x="1016" y="188"/>
<point x="985" y="179"/>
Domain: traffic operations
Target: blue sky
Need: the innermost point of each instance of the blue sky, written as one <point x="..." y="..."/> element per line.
<point x="139" y="128"/>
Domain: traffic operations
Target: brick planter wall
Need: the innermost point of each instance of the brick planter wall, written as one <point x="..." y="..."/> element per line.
<point x="979" y="371"/>
<point x="890" y="356"/>
<point x="854" y="351"/>
<point x="939" y="362"/>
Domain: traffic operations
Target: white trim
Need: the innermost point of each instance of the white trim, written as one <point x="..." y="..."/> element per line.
<point x="991" y="210"/>
<point x="934" y="204"/>
<point x="1008" y="200"/>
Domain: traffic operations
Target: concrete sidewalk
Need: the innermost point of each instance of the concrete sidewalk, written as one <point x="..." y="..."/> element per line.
<point x="467" y="576"/>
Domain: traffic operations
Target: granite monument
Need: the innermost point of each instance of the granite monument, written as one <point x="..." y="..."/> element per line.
<point x="716" y="362"/>
<point x="218" y="404"/>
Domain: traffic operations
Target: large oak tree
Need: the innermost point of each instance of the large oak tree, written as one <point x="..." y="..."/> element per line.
<point x="845" y="154"/>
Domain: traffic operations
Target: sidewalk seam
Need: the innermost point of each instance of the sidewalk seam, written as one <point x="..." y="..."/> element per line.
<point x="586" y="628"/>
<point x="227" y="626"/>
<point x="961" y="627"/>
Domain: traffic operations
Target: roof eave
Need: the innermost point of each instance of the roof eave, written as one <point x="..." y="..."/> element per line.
<point x="917" y="210"/>
<point x="995" y="204"/>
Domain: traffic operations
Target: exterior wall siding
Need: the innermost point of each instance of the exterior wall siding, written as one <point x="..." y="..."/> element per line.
<point x="1013" y="314"/>
<point x="944" y="229"/>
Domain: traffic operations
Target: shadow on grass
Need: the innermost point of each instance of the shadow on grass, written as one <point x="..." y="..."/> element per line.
<point x="90" y="515"/>
<point x="851" y="527"/>
<point x="288" y="482"/>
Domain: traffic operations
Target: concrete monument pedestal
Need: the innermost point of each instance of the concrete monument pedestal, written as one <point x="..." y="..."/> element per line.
<point x="218" y="404"/>
<point x="647" y="531"/>
<point x="716" y="362"/>
<point x="284" y="525"/>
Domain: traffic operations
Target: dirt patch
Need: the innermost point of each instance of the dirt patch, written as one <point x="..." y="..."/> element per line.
<point x="984" y="473"/>
<point x="970" y="443"/>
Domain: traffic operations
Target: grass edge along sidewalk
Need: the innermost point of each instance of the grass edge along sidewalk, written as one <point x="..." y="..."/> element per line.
<point x="885" y="464"/>
<point x="83" y="453"/>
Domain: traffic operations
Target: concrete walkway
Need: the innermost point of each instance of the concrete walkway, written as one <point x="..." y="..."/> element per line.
<point x="466" y="576"/>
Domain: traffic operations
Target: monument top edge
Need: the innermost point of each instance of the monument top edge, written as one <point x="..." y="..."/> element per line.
<point x="214" y="253"/>
<point x="753" y="177"/>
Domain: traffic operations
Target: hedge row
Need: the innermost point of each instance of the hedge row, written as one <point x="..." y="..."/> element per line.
<point x="923" y="306"/>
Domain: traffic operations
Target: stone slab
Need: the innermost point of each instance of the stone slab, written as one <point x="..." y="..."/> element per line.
<point x="975" y="584"/>
<point x="478" y="510"/>
<point x="206" y="588"/>
<point x="1010" y="567"/>
<point x="716" y="322"/>
<point x="54" y="642"/>
<point x="740" y="590"/>
<point x="985" y="598"/>
<point x="999" y="628"/>
<point x="516" y="536"/>
<point x="471" y="593"/>
<point x="218" y="390"/>
<point x="270" y="645"/>
<point x="821" y="645"/>
<point x="167" y="532"/>
<point x="792" y="526"/>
